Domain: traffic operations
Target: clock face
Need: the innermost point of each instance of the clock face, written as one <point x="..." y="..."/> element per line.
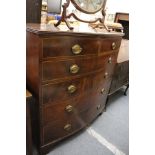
<point x="89" y="6"/>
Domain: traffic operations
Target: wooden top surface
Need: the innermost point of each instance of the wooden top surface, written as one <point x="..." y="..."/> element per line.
<point x="83" y="29"/>
<point x="123" y="54"/>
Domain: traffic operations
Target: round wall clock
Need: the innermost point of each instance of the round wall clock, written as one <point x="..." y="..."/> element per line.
<point x="85" y="6"/>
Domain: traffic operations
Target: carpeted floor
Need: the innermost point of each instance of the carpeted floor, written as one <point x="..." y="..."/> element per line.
<point x="107" y="135"/>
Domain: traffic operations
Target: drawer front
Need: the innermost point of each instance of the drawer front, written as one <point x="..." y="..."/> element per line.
<point x="55" y="93"/>
<point x="60" y="129"/>
<point x="67" y="126"/>
<point x="71" y="108"/>
<point x="64" y="91"/>
<point x="52" y="70"/>
<point x="71" y="46"/>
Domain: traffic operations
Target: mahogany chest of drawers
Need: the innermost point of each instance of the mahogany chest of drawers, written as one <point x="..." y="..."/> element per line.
<point x="69" y="74"/>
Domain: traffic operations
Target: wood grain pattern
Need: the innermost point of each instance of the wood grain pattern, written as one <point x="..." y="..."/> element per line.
<point x="33" y="44"/>
<point x="61" y="69"/>
<point x="77" y="120"/>
<point x="49" y="58"/>
<point x="51" y="93"/>
<point x="52" y="113"/>
<point x="47" y="31"/>
<point x="90" y="46"/>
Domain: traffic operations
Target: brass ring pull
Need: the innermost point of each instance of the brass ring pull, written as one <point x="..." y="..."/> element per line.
<point x="102" y="91"/>
<point x="74" y="69"/>
<point x="113" y="45"/>
<point x="67" y="127"/>
<point x="76" y="49"/>
<point x="71" y="89"/>
<point x="106" y="75"/>
<point x="69" y="108"/>
<point x="110" y="60"/>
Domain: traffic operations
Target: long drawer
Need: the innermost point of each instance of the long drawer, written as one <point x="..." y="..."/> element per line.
<point x="70" y="46"/>
<point x="52" y="70"/>
<point x="62" y="91"/>
<point x="67" y="126"/>
<point x="71" y="108"/>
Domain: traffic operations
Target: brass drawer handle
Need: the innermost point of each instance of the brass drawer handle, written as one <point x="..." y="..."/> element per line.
<point x="74" y="69"/>
<point x="106" y="75"/>
<point x="113" y="45"/>
<point x="99" y="106"/>
<point x="76" y="49"/>
<point x="110" y="60"/>
<point x="102" y="91"/>
<point x="69" y="108"/>
<point x="71" y="89"/>
<point x="67" y="127"/>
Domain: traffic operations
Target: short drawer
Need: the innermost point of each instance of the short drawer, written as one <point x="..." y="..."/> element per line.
<point x="52" y="70"/>
<point x="63" y="127"/>
<point x="56" y="93"/>
<point x="71" y="46"/>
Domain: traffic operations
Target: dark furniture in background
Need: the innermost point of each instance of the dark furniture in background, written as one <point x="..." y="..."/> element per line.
<point x="123" y="18"/>
<point x="29" y="146"/>
<point x="121" y="71"/>
<point x="69" y="74"/>
<point x="120" y="77"/>
<point x="33" y="11"/>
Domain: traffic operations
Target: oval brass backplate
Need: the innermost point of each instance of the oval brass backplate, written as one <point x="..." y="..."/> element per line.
<point x="69" y="108"/>
<point x="76" y="49"/>
<point x="106" y="75"/>
<point x="67" y="127"/>
<point x="113" y="45"/>
<point x="110" y="60"/>
<point x="98" y="107"/>
<point x="74" y="69"/>
<point x="102" y="91"/>
<point x="71" y="89"/>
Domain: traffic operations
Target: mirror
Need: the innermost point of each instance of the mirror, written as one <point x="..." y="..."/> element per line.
<point x="89" y="6"/>
<point x="54" y="6"/>
<point x="84" y="6"/>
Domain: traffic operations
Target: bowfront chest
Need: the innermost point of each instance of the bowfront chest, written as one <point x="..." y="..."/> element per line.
<point x="69" y="73"/>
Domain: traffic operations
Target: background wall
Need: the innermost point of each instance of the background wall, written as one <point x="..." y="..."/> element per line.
<point x="114" y="6"/>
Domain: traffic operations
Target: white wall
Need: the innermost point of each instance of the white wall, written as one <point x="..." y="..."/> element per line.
<point x="114" y="6"/>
